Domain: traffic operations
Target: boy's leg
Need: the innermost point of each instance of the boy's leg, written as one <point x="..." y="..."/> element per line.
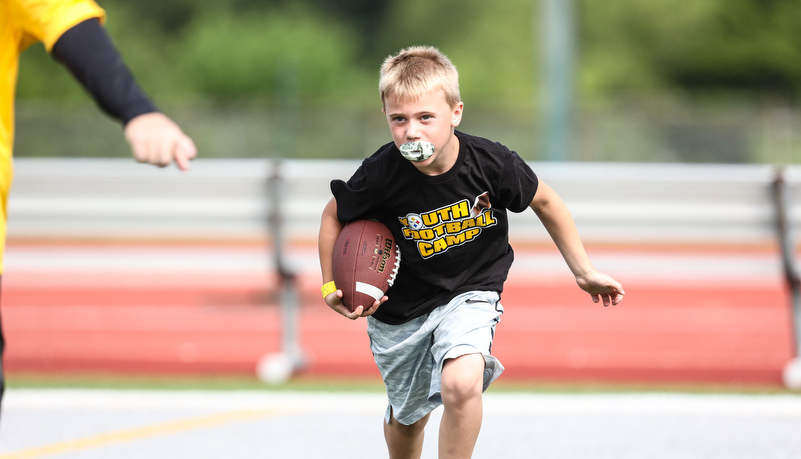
<point x="462" y="344"/>
<point x="407" y="358"/>
<point x="405" y="442"/>
<point x="402" y="353"/>
<point x="462" y="388"/>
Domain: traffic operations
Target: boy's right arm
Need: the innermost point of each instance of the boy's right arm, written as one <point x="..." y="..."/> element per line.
<point x="330" y="227"/>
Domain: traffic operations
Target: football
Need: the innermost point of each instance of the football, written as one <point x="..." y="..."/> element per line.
<point x="365" y="262"/>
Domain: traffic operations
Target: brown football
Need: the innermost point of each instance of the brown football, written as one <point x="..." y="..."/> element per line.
<point x="365" y="262"/>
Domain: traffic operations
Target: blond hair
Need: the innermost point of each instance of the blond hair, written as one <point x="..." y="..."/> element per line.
<point x="417" y="70"/>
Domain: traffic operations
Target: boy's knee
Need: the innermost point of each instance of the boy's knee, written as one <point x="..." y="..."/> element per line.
<point x="462" y="378"/>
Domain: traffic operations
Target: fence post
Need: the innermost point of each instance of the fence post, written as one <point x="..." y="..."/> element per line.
<point x="791" y="374"/>
<point x="276" y="368"/>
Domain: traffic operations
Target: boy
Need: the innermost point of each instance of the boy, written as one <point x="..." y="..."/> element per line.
<point x="444" y="195"/>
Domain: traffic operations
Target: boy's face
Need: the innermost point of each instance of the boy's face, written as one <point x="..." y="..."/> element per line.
<point x="427" y="119"/>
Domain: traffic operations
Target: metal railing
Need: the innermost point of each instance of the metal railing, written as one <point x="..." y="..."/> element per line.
<point x="781" y="191"/>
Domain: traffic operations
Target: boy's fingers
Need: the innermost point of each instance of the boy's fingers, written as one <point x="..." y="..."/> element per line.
<point x="356" y="313"/>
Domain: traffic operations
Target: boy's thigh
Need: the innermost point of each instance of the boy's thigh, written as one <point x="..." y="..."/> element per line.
<point x="468" y="328"/>
<point x="465" y="325"/>
<point x="403" y="356"/>
<point x="410" y="356"/>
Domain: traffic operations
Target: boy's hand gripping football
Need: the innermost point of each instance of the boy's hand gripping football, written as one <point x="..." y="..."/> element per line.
<point x="601" y="287"/>
<point x="334" y="301"/>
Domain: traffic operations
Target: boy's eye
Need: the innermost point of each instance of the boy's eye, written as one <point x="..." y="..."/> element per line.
<point x="425" y="117"/>
<point x="398" y="119"/>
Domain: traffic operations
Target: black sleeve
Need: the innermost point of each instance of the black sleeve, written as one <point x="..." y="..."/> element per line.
<point x="354" y="197"/>
<point x="366" y="190"/>
<point x="89" y="54"/>
<point x="518" y="184"/>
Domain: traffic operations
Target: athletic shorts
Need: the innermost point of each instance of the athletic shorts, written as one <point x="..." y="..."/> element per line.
<point x="410" y="356"/>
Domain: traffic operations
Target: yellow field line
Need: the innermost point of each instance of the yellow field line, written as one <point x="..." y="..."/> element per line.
<point x="139" y="433"/>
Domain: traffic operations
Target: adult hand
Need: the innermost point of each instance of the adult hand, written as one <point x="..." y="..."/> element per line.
<point x="156" y="139"/>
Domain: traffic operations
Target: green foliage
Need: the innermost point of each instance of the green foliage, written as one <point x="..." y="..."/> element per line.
<point x="699" y="46"/>
<point x="221" y="54"/>
<point x="41" y="77"/>
<point x="253" y="77"/>
<point x="245" y="49"/>
<point x="204" y="382"/>
<point x="269" y="54"/>
<point x="621" y="50"/>
<point x="492" y="44"/>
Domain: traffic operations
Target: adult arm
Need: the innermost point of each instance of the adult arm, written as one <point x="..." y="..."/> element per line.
<point x="90" y="55"/>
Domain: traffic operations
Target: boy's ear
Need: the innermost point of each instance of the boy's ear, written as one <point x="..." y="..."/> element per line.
<point x="456" y="115"/>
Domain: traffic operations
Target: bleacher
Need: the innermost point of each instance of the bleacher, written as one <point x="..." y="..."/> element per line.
<point x="660" y="204"/>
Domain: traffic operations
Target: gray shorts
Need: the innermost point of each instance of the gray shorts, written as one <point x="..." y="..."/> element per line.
<point x="410" y="356"/>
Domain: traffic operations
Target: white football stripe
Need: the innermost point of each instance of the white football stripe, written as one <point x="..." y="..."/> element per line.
<point x="368" y="289"/>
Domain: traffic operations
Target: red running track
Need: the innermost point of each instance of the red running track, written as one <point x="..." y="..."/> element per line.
<point x="222" y="323"/>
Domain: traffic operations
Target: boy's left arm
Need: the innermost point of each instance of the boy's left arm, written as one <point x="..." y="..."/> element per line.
<point x="557" y="220"/>
<point x="330" y="227"/>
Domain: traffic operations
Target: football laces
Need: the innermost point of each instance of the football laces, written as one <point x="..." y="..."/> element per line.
<point x="396" y="267"/>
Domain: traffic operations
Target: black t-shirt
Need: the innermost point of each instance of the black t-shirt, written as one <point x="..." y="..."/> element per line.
<point x="452" y="229"/>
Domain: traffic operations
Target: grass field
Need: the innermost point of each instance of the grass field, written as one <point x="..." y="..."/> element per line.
<point x="359" y="385"/>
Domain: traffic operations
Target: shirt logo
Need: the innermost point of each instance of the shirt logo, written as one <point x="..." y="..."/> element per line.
<point x="415" y="221"/>
<point x="439" y="230"/>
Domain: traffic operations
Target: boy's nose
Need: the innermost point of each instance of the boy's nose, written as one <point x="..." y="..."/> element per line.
<point x="412" y="132"/>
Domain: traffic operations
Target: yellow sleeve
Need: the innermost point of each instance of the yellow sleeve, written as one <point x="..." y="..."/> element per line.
<point x="47" y="20"/>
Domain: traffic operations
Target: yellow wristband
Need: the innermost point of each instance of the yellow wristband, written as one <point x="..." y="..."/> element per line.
<point x="328" y="288"/>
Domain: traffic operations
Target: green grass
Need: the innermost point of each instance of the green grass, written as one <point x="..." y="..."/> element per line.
<point x="629" y="387"/>
<point x="340" y="384"/>
<point x="186" y="382"/>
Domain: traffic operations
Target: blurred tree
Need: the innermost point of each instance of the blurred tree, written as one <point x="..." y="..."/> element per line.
<point x="494" y="45"/>
<point x="168" y="17"/>
<point x="241" y="55"/>
<point x="747" y="44"/>
<point x="298" y="61"/>
<point x="364" y="17"/>
<point x="699" y="46"/>
<point x="146" y="48"/>
<point x="231" y="48"/>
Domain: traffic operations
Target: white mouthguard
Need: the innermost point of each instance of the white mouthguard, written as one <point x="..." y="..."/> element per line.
<point x="417" y="151"/>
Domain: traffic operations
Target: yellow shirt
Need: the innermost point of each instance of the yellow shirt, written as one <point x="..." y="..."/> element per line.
<point x="22" y="23"/>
